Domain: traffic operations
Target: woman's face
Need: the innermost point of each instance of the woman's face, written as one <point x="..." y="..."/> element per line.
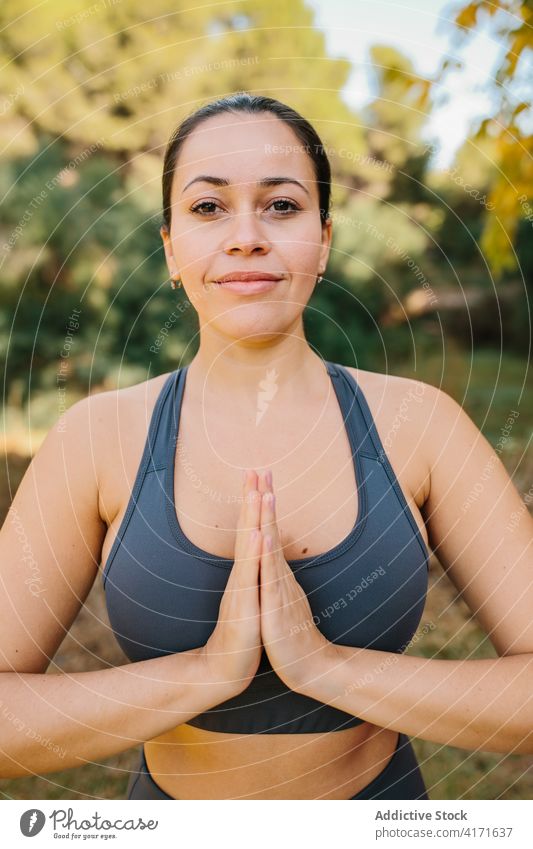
<point x="230" y="222"/>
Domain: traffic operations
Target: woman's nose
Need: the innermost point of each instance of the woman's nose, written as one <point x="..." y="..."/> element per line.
<point x="246" y="234"/>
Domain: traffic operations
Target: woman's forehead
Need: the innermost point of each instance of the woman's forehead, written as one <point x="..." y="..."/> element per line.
<point x="244" y="148"/>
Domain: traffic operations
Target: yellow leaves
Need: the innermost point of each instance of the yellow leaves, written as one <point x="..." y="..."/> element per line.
<point x="496" y="245"/>
<point x="511" y="152"/>
<point x="467" y="17"/>
<point x="522" y="40"/>
<point x="513" y="179"/>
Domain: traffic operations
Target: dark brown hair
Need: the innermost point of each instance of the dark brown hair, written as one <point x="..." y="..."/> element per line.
<point x="243" y="101"/>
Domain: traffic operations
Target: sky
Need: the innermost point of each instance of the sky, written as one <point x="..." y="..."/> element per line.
<point x="422" y="30"/>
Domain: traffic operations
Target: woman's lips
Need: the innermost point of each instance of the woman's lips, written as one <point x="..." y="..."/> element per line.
<point x="249" y="287"/>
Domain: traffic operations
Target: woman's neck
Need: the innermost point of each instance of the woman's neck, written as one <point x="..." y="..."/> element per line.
<point x="287" y="368"/>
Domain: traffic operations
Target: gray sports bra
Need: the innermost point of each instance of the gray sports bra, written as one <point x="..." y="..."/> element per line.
<point x="163" y="592"/>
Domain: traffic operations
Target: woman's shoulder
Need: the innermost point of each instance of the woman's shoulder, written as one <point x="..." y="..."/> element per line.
<point x="130" y="403"/>
<point x="390" y="391"/>
<point x="417" y="404"/>
<point x="116" y="421"/>
<point x="113" y="403"/>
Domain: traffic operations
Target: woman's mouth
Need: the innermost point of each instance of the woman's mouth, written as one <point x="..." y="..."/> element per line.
<point x="253" y="287"/>
<point x="249" y="282"/>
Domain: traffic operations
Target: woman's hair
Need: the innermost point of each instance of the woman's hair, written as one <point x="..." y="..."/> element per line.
<point x="243" y="101"/>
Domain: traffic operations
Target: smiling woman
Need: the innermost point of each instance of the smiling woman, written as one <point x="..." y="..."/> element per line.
<point x="277" y="194"/>
<point x="265" y="623"/>
<point x="263" y="212"/>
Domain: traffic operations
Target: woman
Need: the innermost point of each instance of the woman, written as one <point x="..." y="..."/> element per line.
<point x="257" y="625"/>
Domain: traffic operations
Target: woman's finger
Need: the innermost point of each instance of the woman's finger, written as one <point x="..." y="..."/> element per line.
<point x="273" y="567"/>
<point x="244" y="573"/>
<point x="264" y="481"/>
<point x="249" y="514"/>
<point x="269" y="523"/>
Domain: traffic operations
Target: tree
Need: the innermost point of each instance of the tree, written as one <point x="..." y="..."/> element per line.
<point x="505" y="131"/>
<point x="89" y="95"/>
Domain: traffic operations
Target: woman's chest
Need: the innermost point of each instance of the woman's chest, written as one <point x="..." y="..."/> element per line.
<point x="314" y="480"/>
<point x="318" y="482"/>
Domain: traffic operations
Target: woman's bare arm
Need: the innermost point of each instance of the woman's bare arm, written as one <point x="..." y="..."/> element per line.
<point x="50" y="550"/>
<point x="52" y="722"/>
<point x="482" y="533"/>
<point x="474" y="704"/>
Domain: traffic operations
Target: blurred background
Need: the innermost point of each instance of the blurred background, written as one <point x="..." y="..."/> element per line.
<point x="425" y="111"/>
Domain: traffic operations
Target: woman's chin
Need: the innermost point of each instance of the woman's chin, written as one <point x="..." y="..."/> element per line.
<point x="253" y="325"/>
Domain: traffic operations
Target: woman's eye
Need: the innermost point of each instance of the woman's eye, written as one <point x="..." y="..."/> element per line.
<point x="285" y="201"/>
<point x="206" y="208"/>
<point x="202" y="205"/>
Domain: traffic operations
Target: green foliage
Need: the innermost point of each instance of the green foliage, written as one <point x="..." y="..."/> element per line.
<point x="90" y="95"/>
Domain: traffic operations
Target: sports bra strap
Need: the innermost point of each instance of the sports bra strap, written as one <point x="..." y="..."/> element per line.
<point x="160" y="430"/>
<point x="357" y="413"/>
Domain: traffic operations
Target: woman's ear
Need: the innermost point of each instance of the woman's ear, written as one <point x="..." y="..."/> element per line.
<point x="167" y="244"/>
<point x="327" y="232"/>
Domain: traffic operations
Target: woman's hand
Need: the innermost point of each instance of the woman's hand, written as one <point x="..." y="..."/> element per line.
<point x="233" y="651"/>
<point x="292" y="641"/>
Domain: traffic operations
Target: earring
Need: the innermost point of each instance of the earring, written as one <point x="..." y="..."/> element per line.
<point x="319" y="279"/>
<point x="176" y="282"/>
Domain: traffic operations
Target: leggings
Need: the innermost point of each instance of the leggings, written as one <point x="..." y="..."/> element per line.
<point x="400" y="779"/>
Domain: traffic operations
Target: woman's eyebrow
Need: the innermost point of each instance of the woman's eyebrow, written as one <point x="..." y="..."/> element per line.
<point x="266" y="181"/>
